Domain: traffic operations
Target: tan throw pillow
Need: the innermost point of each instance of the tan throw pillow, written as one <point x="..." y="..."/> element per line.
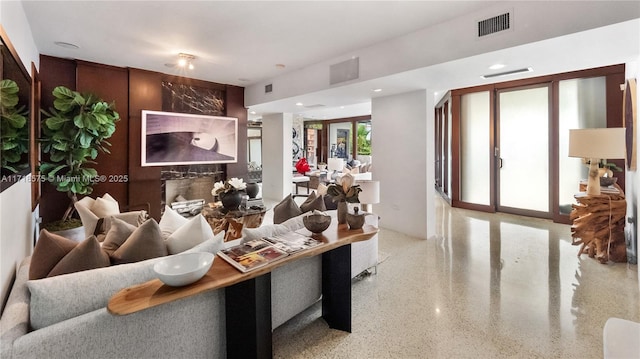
<point x="118" y="234"/>
<point x="316" y="203"/>
<point x="322" y="189"/>
<point x="134" y="218"/>
<point x="144" y="243"/>
<point x="286" y="209"/>
<point x="49" y="250"/>
<point x="86" y="255"/>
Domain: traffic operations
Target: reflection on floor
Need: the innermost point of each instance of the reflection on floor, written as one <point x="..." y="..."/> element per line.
<point x="489" y="286"/>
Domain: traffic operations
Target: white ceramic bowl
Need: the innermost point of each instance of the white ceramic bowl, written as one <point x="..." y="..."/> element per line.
<point x="183" y="269"/>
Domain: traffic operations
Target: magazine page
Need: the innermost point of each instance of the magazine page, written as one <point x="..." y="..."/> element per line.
<point x="292" y="242"/>
<point x="251" y="255"/>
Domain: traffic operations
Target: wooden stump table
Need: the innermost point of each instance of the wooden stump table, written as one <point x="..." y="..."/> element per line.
<point x="598" y="225"/>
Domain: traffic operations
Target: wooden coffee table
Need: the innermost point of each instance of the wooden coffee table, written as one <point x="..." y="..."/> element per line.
<point x="248" y="295"/>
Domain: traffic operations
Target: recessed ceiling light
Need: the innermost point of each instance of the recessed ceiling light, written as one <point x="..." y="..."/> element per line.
<point x="341" y="106"/>
<point x="67" y="45"/>
<point x="496" y="67"/>
<point x="252" y="112"/>
<point x="299" y="104"/>
<point x="377" y="90"/>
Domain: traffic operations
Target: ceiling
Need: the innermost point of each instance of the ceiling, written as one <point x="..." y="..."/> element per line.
<point x="245" y="43"/>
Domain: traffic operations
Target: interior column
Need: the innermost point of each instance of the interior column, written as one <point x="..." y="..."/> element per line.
<point x="276" y="155"/>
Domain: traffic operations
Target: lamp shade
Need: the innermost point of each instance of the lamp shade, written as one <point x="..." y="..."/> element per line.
<point x="335" y="164"/>
<point x="597" y="143"/>
<point x="370" y="192"/>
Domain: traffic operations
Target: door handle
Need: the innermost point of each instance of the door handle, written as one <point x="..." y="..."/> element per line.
<point x="499" y="162"/>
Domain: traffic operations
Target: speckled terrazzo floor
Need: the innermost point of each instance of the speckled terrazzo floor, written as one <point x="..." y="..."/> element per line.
<point x="489" y="286"/>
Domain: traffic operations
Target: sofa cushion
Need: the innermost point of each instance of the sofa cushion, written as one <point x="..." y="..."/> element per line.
<point x="290" y="225"/>
<point x="134" y="218"/>
<point x="287" y="208"/>
<point x="49" y="250"/>
<point x="118" y="233"/>
<point x="313" y="202"/>
<point x="92" y="210"/>
<point x="144" y="243"/>
<point x="67" y="296"/>
<point x="170" y="222"/>
<point x="195" y="231"/>
<point x="86" y="255"/>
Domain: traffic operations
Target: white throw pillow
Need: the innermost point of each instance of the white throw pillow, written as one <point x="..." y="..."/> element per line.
<point x="105" y="206"/>
<point x="170" y="222"/>
<point x="192" y="233"/>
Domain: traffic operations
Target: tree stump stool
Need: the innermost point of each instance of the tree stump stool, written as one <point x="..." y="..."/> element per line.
<point x="598" y="225"/>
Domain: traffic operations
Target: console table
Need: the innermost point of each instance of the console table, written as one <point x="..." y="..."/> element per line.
<point x="248" y="295"/>
<point x="232" y="222"/>
<point x="598" y="225"/>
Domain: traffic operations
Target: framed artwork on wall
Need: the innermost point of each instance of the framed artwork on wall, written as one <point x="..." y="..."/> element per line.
<point x="342" y="143"/>
<point x="170" y="138"/>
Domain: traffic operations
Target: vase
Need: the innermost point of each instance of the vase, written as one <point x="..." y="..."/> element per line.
<point x="231" y="200"/>
<point x="342" y="212"/>
<point x="252" y="189"/>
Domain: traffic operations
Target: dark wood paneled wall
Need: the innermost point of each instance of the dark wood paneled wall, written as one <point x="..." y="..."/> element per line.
<point x="145" y="93"/>
<point x="133" y="90"/>
<point x="112" y="85"/>
<point x="54" y="72"/>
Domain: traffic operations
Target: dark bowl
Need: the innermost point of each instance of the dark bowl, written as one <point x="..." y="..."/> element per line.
<point x="607" y="181"/>
<point x="316" y="223"/>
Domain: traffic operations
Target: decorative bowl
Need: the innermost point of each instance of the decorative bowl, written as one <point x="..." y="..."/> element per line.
<point x="607" y="181"/>
<point x="316" y="223"/>
<point x="182" y="269"/>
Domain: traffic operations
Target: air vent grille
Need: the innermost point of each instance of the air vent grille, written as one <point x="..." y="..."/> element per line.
<point x="494" y="24"/>
<point x="268" y="88"/>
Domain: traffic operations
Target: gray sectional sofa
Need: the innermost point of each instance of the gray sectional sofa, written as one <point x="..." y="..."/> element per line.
<point x="66" y="316"/>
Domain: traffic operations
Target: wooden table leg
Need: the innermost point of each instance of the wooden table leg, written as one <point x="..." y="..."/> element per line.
<point x="336" y="288"/>
<point x="248" y="312"/>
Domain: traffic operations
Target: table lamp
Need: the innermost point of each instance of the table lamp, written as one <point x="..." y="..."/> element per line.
<point x="334" y="165"/>
<point x="596" y="144"/>
<point x="370" y="194"/>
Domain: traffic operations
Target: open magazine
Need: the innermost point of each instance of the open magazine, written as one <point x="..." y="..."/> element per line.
<point x="292" y="242"/>
<point x="257" y="253"/>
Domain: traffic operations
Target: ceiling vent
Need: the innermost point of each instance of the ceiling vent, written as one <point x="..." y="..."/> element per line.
<point x="507" y="73"/>
<point x="344" y="71"/>
<point x="495" y="24"/>
<point x="315" y="106"/>
<point x="268" y="88"/>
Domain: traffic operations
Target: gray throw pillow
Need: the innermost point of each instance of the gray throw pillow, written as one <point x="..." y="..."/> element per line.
<point x="286" y="209"/>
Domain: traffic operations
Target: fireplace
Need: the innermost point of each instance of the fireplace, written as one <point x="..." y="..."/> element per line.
<point x="185" y="183"/>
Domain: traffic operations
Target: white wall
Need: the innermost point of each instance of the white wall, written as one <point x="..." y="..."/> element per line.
<point x="16" y="225"/>
<point x="276" y="156"/>
<point x="403" y="142"/>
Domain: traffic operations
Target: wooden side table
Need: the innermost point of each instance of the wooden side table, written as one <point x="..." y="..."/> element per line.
<point x="598" y="225"/>
<point x="233" y="221"/>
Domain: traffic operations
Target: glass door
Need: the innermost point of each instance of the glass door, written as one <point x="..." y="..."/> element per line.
<point x="522" y="151"/>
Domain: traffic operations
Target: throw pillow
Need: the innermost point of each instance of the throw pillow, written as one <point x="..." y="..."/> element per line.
<point x="322" y="189"/>
<point x="105" y="206"/>
<point x="144" y="243"/>
<point x="286" y="209"/>
<point x="117" y="235"/>
<point x="313" y="202"/>
<point x="195" y="231"/>
<point x="49" y="250"/>
<point x="329" y="204"/>
<point x="171" y="221"/>
<point x="134" y="218"/>
<point x="86" y="255"/>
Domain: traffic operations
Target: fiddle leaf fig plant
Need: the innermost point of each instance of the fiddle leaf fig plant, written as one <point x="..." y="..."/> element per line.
<point x="14" y="132"/>
<point x="74" y="131"/>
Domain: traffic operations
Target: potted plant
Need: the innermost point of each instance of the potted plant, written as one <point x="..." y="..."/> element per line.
<point x="73" y="132"/>
<point x="343" y="193"/>
<point x="230" y="192"/>
<point x="14" y="132"/>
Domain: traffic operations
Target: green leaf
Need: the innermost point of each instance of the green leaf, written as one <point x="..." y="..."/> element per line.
<point x="55" y="123"/>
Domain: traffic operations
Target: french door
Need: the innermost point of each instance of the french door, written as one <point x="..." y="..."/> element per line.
<point x="522" y="151"/>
